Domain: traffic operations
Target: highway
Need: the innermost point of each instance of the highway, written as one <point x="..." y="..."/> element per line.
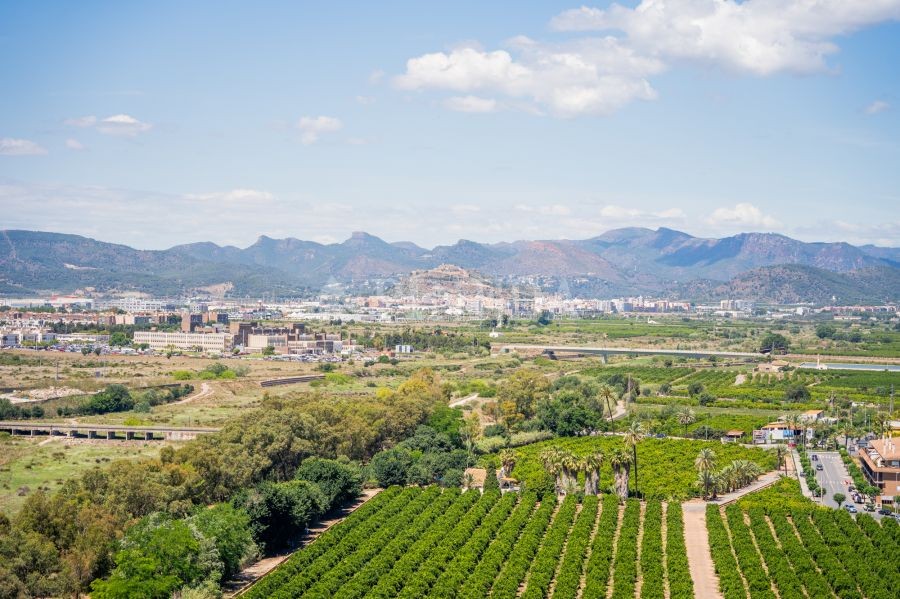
<point x="571" y="349"/>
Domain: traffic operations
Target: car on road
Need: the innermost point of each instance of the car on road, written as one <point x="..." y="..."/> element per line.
<point x="850" y="508"/>
<point x="819" y="467"/>
<point x="885" y="512"/>
<point x="869" y="507"/>
<point x="815" y="458"/>
<point x="857" y="499"/>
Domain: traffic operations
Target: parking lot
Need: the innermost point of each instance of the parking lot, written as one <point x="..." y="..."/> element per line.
<point x="834" y="478"/>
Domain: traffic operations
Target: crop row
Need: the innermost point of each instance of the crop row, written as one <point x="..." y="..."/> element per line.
<point x="353" y="543"/>
<point x="429" y="571"/>
<point x="678" y="573"/>
<point x="598" y="567"/>
<point x="653" y="585"/>
<point x="448" y="584"/>
<point x="776" y="561"/>
<point x="625" y="564"/>
<point x="544" y="566"/>
<point x="367" y="516"/>
<point x="799" y="557"/>
<point x="388" y="554"/>
<point x="516" y="568"/>
<point x="726" y="567"/>
<point x="854" y="550"/>
<point x="747" y="555"/>
<point x="569" y="577"/>
<point x="389" y="584"/>
<point x="482" y="577"/>
<point x="419" y="515"/>
<point x="842" y="584"/>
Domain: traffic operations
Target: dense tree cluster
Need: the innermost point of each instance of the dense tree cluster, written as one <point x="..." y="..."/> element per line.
<point x="147" y="524"/>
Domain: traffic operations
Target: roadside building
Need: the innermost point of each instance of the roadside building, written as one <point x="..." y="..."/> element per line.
<point x="207" y="342"/>
<point x="880" y="464"/>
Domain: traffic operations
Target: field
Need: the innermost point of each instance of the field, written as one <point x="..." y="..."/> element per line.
<point x="665" y="466"/>
<point x="416" y="542"/>
<point x="27" y="465"/>
<point x="796" y="549"/>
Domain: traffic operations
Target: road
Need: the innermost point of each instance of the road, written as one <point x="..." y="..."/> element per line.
<point x="834" y="478"/>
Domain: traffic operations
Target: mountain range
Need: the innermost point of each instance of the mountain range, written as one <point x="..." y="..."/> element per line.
<point x="762" y="266"/>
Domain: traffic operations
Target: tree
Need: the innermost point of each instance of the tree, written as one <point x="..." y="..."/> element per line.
<point x="695" y="388"/>
<point x="470" y="432"/>
<point x="551" y="458"/>
<point x="507" y="462"/>
<point x="634" y="434"/>
<point x="268" y="350"/>
<point x="686" y="417"/>
<point x="229" y="529"/>
<point x="773" y="342"/>
<point x="339" y="482"/>
<point x="280" y="512"/>
<point x="519" y="394"/>
<point x="780" y="456"/>
<point x="847" y="430"/>
<point x="391" y="467"/>
<point x="839" y="499"/>
<point x="825" y="331"/>
<point x="119" y="339"/>
<point x="797" y="393"/>
<point x="490" y="480"/>
<point x="620" y="460"/>
<point x="705" y="463"/>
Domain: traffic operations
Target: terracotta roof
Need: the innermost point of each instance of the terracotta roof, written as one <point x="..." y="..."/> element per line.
<point x="735" y="433"/>
<point x="888" y="449"/>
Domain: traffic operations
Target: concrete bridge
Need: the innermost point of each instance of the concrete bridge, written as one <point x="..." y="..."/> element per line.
<point x="306" y="378"/>
<point x="631" y="351"/>
<point x="103" y="431"/>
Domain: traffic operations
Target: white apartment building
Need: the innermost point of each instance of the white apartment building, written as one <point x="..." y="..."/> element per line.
<point x="208" y="342"/>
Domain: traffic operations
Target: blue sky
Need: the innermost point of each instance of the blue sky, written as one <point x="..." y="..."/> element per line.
<point x="173" y="122"/>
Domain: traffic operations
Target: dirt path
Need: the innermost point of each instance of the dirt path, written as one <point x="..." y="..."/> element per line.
<point x="703" y="573"/>
<point x="257" y="570"/>
<point x="463" y="400"/>
<point x="664" y="531"/>
<point x="740" y="379"/>
<point x="639" y="583"/>
<point x="205" y="390"/>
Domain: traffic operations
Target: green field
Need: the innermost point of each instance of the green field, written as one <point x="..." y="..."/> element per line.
<point x="27" y="465"/>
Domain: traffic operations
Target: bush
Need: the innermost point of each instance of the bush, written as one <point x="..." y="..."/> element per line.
<point x="339" y="482"/>
<point x="391" y="467"/>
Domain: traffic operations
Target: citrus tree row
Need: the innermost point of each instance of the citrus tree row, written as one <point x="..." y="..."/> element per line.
<point x="808" y="550"/>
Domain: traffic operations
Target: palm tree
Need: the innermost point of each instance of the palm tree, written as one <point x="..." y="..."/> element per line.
<point x="634" y="434"/>
<point x="781" y="456"/>
<point x="686" y="417"/>
<point x="591" y="465"/>
<point x="551" y="458"/>
<point x="708" y="481"/>
<point x="846" y="430"/>
<point x="507" y="462"/>
<point x="607" y="394"/>
<point x="620" y="460"/>
<point x="570" y="466"/>
<point x="705" y="463"/>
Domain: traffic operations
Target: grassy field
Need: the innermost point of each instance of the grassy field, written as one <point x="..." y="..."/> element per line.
<point x="27" y="465"/>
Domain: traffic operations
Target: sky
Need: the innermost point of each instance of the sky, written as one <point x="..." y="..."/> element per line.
<point x="155" y="124"/>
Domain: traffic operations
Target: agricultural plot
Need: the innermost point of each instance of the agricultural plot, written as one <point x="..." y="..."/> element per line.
<point x="665" y="466"/>
<point x="424" y="542"/>
<point x="802" y="551"/>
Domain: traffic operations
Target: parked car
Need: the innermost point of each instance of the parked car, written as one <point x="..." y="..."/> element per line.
<point x="819" y="467"/>
<point x="850" y="508"/>
<point x="869" y="507"/>
<point x="885" y="512"/>
<point x="857" y="499"/>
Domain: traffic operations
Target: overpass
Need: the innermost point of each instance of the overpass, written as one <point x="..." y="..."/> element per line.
<point x="630" y="351"/>
<point x="103" y="431"/>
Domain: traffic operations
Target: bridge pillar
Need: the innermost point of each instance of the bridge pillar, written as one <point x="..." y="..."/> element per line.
<point x="110" y="435"/>
<point x="72" y="433"/>
<point x="129" y="435"/>
<point x="92" y="435"/>
<point x="604" y="358"/>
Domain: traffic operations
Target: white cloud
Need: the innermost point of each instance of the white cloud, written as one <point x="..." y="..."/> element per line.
<point x="82" y="121"/>
<point x="757" y="36"/>
<point x="240" y="195"/>
<point x="589" y="76"/>
<point x="312" y="127"/>
<point x="10" y="146"/>
<point x="602" y="72"/>
<point x="618" y="214"/>
<point x="741" y="215"/>
<point x="877" y="106"/>
<point x="470" y="104"/>
<point x="365" y="100"/>
<point x="376" y="76"/>
<point x="122" y="124"/>
<point x="74" y="144"/>
<point x="546" y="209"/>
